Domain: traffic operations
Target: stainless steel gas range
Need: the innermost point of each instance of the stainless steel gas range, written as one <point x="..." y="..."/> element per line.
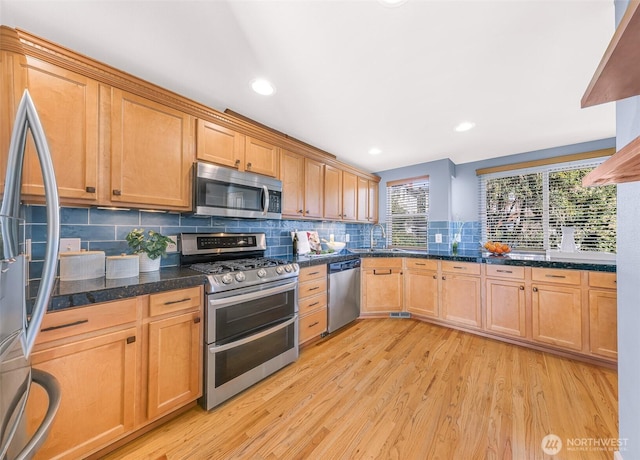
<point x="251" y="310"/>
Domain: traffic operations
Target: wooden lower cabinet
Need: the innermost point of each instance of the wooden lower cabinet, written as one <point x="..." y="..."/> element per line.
<point x="381" y="285"/>
<point x="312" y="302"/>
<point x="421" y="287"/>
<point x="506" y="309"/>
<point x="603" y="323"/>
<point x="460" y="295"/>
<point x="97" y="353"/>
<point x="557" y="315"/>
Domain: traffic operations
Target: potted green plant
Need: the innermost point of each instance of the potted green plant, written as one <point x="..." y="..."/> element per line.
<point x="149" y="246"/>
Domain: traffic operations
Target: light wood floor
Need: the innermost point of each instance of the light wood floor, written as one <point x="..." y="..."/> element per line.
<point x="400" y="389"/>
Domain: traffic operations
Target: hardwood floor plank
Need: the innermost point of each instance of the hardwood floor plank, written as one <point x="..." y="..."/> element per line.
<point x="400" y="389"/>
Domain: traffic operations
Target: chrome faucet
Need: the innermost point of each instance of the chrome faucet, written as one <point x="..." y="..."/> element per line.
<point x="373" y="227"/>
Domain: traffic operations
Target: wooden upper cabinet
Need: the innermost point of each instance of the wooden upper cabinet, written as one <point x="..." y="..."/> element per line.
<point x="373" y="201"/>
<point x="313" y="188"/>
<point x="367" y="197"/>
<point x="349" y="196"/>
<point x="151" y="153"/>
<point x="220" y="145"/>
<point x="260" y="157"/>
<point x="226" y="147"/>
<point x="292" y="176"/>
<point x="332" y="193"/>
<point x="67" y="104"/>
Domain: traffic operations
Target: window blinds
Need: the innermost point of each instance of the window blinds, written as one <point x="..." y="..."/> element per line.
<point x="408" y="212"/>
<point x="527" y="208"/>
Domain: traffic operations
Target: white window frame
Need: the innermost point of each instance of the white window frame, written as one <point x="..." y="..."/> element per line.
<point x="421" y="181"/>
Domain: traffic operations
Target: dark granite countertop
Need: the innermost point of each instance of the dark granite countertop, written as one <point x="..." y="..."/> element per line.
<point x="70" y="294"/>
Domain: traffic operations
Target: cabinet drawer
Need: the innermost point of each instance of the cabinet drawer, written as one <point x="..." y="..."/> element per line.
<point x="172" y="301"/>
<point x="312" y="287"/>
<point x="384" y="262"/>
<point x="466" y="268"/>
<point x="310" y="273"/>
<point x="505" y="271"/>
<point x="555" y="275"/>
<point x="67" y="323"/>
<point x="603" y="280"/>
<point x="312" y="303"/>
<point x="313" y="325"/>
<point x="421" y="264"/>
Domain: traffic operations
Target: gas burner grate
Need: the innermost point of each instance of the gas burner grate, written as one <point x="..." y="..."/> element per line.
<point x="226" y="266"/>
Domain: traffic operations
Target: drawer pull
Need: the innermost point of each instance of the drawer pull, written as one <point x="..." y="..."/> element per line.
<point x="75" y="323"/>
<point x="314" y="304"/>
<point x="314" y="324"/>
<point x="387" y="272"/>
<point x="90" y="189"/>
<point x="117" y="192"/>
<point x="131" y="339"/>
<point x="314" y="288"/>
<point x="196" y="320"/>
<point x="504" y="271"/>
<point x="458" y="267"/>
<point x="420" y="263"/>
<point x="171" y="302"/>
<point x="313" y="273"/>
<point x="555" y="276"/>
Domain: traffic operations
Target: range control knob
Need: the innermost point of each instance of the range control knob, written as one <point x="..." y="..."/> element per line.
<point x="296" y="267"/>
<point x="279" y="269"/>
<point x="262" y="273"/>
<point x="227" y="278"/>
<point x="240" y="276"/>
<point x="288" y="268"/>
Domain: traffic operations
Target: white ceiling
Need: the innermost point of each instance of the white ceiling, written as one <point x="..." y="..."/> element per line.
<point x="351" y="75"/>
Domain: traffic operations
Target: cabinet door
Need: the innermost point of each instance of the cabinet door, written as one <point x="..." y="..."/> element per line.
<point x="381" y="290"/>
<point x="67" y="104"/>
<point x="218" y="144"/>
<point x="260" y="157"/>
<point x="421" y="292"/>
<point x="292" y="176"/>
<point x="603" y="323"/>
<point x="332" y="193"/>
<point x="151" y="153"/>
<point x="349" y="196"/>
<point x="461" y="300"/>
<point x="373" y="201"/>
<point x="313" y="188"/>
<point x="175" y="360"/>
<point x="97" y="379"/>
<point x="363" y="200"/>
<point x="506" y="307"/>
<point x="12" y="83"/>
<point x="557" y="315"/>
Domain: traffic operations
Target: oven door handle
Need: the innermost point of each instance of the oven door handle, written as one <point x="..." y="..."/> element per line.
<point x="251" y="338"/>
<point x="258" y="294"/>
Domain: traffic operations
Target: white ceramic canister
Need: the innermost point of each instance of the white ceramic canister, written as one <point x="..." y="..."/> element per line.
<point x="122" y="266"/>
<point x="81" y="265"/>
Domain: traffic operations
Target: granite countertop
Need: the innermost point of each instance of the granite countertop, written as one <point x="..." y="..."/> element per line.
<point x="70" y="294"/>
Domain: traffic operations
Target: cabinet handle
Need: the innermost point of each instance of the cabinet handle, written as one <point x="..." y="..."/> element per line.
<point x="248" y="165"/>
<point x="75" y="323"/>
<point x="196" y="320"/>
<point x="522" y="288"/>
<point x="435" y="277"/>
<point x="314" y="288"/>
<point x="314" y="304"/>
<point x="117" y="192"/>
<point x="535" y="289"/>
<point x="314" y="324"/>
<point x="237" y="162"/>
<point x="388" y="272"/>
<point x="459" y="267"/>
<point x="313" y="273"/>
<point x="90" y="189"/>
<point x="171" y="302"/>
<point x="307" y="211"/>
<point x="555" y="276"/>
<point x="131" y="339"/>
<point x="420" y="263"/>
<point x="300" y="211"/>
<point x="504" y="271"/>
<point x="444" y="278"/>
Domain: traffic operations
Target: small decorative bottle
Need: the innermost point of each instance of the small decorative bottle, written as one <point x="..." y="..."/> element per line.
<point x="295" y="243"/>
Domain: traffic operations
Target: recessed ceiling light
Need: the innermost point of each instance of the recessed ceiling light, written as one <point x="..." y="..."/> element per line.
<point x="392" y="3"/>
<point x="262" y="86"/>
<point x="375" y="151"/>
<point x="465" y="126"/>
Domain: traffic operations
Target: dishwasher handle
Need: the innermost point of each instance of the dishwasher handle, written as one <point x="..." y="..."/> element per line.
<point x="337" y="267"/>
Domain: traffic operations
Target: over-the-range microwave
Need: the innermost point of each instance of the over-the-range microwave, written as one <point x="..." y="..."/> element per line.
<point x="220" y="191"/>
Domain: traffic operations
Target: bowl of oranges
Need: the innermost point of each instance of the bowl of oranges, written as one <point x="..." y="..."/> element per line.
<point x="496" y="248"/>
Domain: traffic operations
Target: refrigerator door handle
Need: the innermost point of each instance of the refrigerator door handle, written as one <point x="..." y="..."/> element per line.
<point x="27" y="119"/>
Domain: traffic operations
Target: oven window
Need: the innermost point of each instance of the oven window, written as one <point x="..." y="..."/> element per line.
<point x="242" y="319"/>
<point x="236" y="361"/>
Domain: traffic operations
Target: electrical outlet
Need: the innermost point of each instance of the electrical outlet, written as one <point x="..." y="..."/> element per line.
<point x="347" y="238"/>
<point x="173" y="247"/>
<point x="438" y="237"/>
<point x="69" y="244"/>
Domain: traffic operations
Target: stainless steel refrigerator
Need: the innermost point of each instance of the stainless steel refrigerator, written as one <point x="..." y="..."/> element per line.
<point x="18" y="329"/>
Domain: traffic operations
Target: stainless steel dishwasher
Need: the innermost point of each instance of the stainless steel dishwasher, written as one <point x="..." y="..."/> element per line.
<point x="344" y="293"/>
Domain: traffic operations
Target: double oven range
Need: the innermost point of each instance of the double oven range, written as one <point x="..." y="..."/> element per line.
<point x="251" y="310"/>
